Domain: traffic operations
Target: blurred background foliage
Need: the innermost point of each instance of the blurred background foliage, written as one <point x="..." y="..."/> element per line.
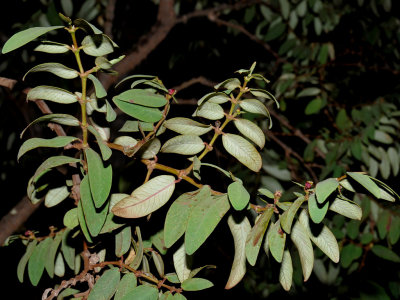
<point x="333" y="65"/>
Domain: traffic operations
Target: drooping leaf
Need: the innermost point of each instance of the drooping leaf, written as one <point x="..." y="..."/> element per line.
<point x="209" y="110"/>
<point x="394" y="231"/>
<point x="266" y="192"/>
<point x="106" y="285"/>
<point x="183" y="144"/>
<point x="98" y="87"/>
<point x="86" y="26"/>
<point x="238" y="195"/>
<point x="142" y="113"/>
<point x="52" y="47"/>
<point x="187" y="126"/>
<point x="23" y="37"/>
<point x="82" y="222"/>
<point x="394" y="160"/>
<point x="215" y="97"/>
<point x="240" y="230"/>
<point x="349" y="253"/>
<point x="24" y="260"/>
<point x="303" y="244"/>
<point x="56" y="196"/>
<point x="182" y="263"/>
<point x="139" y="249"/>
<point x="276" y="241"/>
<point x="229" y="84"/>
<point x="203" y="219"/>
<point x="97" y="45"/>
<point x="254" y="106"/>
<point x="146" y="198"/>
<point x="59" y="267"/>
<point x="317" y="211"/>
<point x="346" y="209"/>
<point x="288" y="216"/>
<point x="67" y="250"/>
<point x="251" y="131"/>
<point x="123" y="241"/>
<point x="55" y="68"/>
<point x="366" y="182"/>
<point x="111" y="115"/>
<point x="242" y="150"/>
<point x="51" y="93"/>
<point x="150" y="149"/>
<point x="51" y="254"/>
<point x="142" y="292"/>
<point x="196" y="284"/>
<point x="158" y="262"/>
<point x="142" y="97"/>
<point x="286" y="271"/>
<point x="308" y="92"/>
<point x="125" y="286"/>
<point x="104" y="149"/>
<point x="325" y="188"/>
<point x="56" y="142"/>
<point x="100" y="178"/>
<point x="53" y="162"/>
<point x="37" y="261"/>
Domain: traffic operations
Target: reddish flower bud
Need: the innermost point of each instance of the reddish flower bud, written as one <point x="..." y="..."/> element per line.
<point x="171" y="92"/>
<point x="308" y="185"/>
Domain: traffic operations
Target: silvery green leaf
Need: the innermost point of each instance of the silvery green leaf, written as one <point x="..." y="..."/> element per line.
<point x="346" y="184"/>
<point x="70" y="219"/>
<point x="303" y="244"/>
<point x="187" y="126"/>
<point x="288" y="216"/>
<point x="52" y="47"/>
<point x="215" y="97"/>
<point x="229" y="84"/>
<point x="366" y="182"/>
<point x="183" y="144"/>
<point x="56" y="69"/>
<point x="55" y="196"/>
<point x="117" y="60"/>
<point x="211" y="111"/>
<point x="104" y="149"/>
<point x="59" y="267"/>
<point x="97" y="45"/>
<point x="62" y="119"/>
<point x="102" y="63"/>
<point x="242" y="150"/>
<point x="56" y="142"/>
<point x="382" y="137"/>
<point x="325" y="188"/>
<point x="347" y="209"/>
<point x="150" y="149"/>
<point x="254" y="106"/>
<point x="264" y="94"/>
<point x="51" y="93"/>
<point x="251" y="131"/>
<point x="286" y="271"/>
<point x="182" y="263"/>
<point x="125" y="141"/>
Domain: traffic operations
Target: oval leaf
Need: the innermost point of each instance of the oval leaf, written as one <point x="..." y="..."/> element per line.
<point x="56" y="69"/>
<point x="347" y="209"/>
<point x="254" y="106"/>
<point x="217" y="98"/>
<point x="56" y="196"/>
<point x="366" y="182"/>
<point x="276" y="241"/>
<point x="238" y="195"/>
<point x="324" y="188"/>
<point x="182" y="263"/>
<point x="142" y="113"/>
<point x="125" y="286"/>
<point x="52" y="47"/>
<point x="288" y="216"/>
<point x="183" y="144"/>
<point x="211" y="111"/>
<point x="51" y="93"/>
<point x="317" y="211"/>
<point x="303" y="244"/>
<point x="187" y="126"/>
<point x="251" y="131"/>
<point x="286" y="271"/>
<point x="142" y="292"/>
<point x="59" y="141"/>
<point x="97" y="45"/>
<point x="196" y="284"/>
<point x="37" y="261"/>
<point x="142" y="97"/>
<point x="106" y="285"/>
<point x="24" y="260"/>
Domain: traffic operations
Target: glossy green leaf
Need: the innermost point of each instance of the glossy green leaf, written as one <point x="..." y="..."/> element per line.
<point x="106" y="285"/>
<point x="325" y="188"/>
<point x="142" y="97"/>
<point x="240" y="230"/>
<point x="142" y="292"/>
<point x="23" y="37"/>
<point x="204" y="218"/>
<point x="346" y="209"/>
<point x="51" y="254"/>
<point x="276" y="241"/>
<point x="52" y="47"/>
<point x="255" y="237"/>
<point x="147" y="198"/>
<point x="317" y="211"/>
<point x="71" y="218"/>
<point x="229" y="84"/>
<point x="196" y="284"/>
<point x="287" y="217"/>
<point x="55" y="68"/>
<point x="142" y="113"/>
<point x="37" y="261"/>
<point x="33" y="143"/>
<point x="125" y="286"/>
<point x="254" y="106"/>
<point x="385" y="253"/>
<point x="215" y="97"/>
<point x="99" y="89"/>
<point x="238" y="195"/>
<point x="123" y="241"/>
<point x="286" y="271"/>
<point x="366" y="182"/>
<point x="51" y="93"/>
<point x="179" y="212"/>
<point x="56" y="196"/>
<point x="187" y="126"/>
<point x="303" y="244"/>
<point x="97" y="45"/>
<point x="251" y="131"/>
<point x="242" y="150"/>
<point x="24" y="260"/>
<point x="209" y="110"/>
<point x="183" y="144"/>
<point x="182" y="263"/>
<point x="100" y="178"/>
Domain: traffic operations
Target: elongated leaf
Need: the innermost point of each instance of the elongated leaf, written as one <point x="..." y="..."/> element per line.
<point x="139" y="249"/>
<point x="55" y="68"/>
<point x="56" y="196"/>
<point x="324" y="188"/>
<point x="214" y="97"/>
<point x="133" y="126"/>
<point x="286" y="271"/>
<point x="264" y="94"/>
<point x="325" y="240"/>
<point x="71" y="218"/>
<point x="238" y="195"/>
<point x="82" y="223"/>
<point x="229" y="84"/>
<point x="53" y="162"/>
<point x="33" y="143"/>
<point x="316" y="210"/>
<point x="366" y="182"/>
<point x="183" y="144"/>
<point x="87" y="27"/>
<point x="142" y="97"/>
<point x="150" y="149"/>
<point x="179" y="212"/>
<point x="100" y="91"/>
<point x="147" y="198"/>
<point x="67" y="250"/>
<point x="52" y="47"/>
<point x="100" y="178"/>
<point x="211" y="111"/>
<point x="24" y="260"/>
<point x="142" y="113"/>
<point x="202" y="221"/>
<point x="182" y="263"/>
<point x="125" y="286"/>
<point x="347" y="209"/>
<point x="51" y="254"/>
<point x="385" y="253"/>
<point x="394" y="160"/>
<point x="254" y="106"/>
<point x="23" y="37"/>
<point x="242" y="150"/>
<point x="288" y="216"/>
<point x="158" y="262"/>
<point x="187" y="126"/>
<point x="255" y="237"/>
<point x="123" y="241"/>
<point x="37" y="261"/>
<point x="303" y="244"/>
<point x="104" y="149"/>
<point x="51" y="93"/>
<point x="196" y="284"/>
<point x="251" y="131"/>
<point x="276" y="241"/>
<point x="106" y="285"/>
<point x="307" y="92"/>
<point x="97" y="45"/>
<point x="240" y="230"/>
<point x="142" y="292"/>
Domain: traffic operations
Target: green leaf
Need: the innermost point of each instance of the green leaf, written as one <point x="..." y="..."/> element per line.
<point x="366" y="182"/>
<point x="110" y="113"/>
<point x="287" y="217"/>
<point x="187" y="126"/>
<point x="158" y="241"/>
<point x="238" y="195"/>
<point x="383" y="223"/>
<point x="123" y="241"/>
<point x="254" y="106"/>
<point x="97" y="45"/>
<point x="179" y="212"/>
<point x="394" y="232"/>
<point x="142" y="292"/>
<point x="251" y="131"/>
<point x="158" y="262"/>
<point x="82" y="223"/>
<point x="125" y="287"/>
<point x="229" y="84"/>
<point x="242" y="150"/>
<point x="147" y="198"/>
<point x="56" y="196"/>
<point x="71" y="218"/>
<point x="87" y="27"/>
<point x="51" y="254"/>
<point x="56" y="69"/>
<point x="24" y="260"/>
<point x="303" y="244"/>
<point x="106" y="285"/>
<point x="150" y="149"/>
<point x="382" y="137"/>
<point x="139" y="249"/>
<point x="52" y="47"/>
<point x="209" y="110"/>
<point x="286" y="271"/>
<point x="263" y="93"/>
<point x="325" y="240"/>
<point x="133" y="126"/>
<point x="313" y="106"/>
<point x="385" y="253"/>
<point x="98" y="87"/>
<point x="266" y="193"/>
<point x="142" y="113"/>
<point x="53" y="162"/>
<point x="196" y="284"/>
<point x="142" y="97"/>
<point x="104" y="149"/>
<point x="276" y="241"/>
<point x="346" y="209"/>
<point x="51" y="93"/>
<point x="183" y="144"/>
<point x="255" y="237"/>
<point x="37" y="261"/>
<point x="95" y="218"/>
<point x="204" y="218"/>
<point x="215" y="97"/>
<point x="317" y="211"/>
<point x="308" y="92"/>
<point x="67" y="250"/>
<point x="325" y="188"/>
<point x="23" y="37"/>
<point x="33" y="143"/>
<point x="349" y="253"/>
<point x="240" y="230"/>
<point x="182" y="263"/>
<point x="394" y="160"/>
<point x="100" y="178"/>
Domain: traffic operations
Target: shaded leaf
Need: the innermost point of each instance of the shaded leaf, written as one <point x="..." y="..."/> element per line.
<point x="325" y="188"/>
<point x="287" y="217"/>
<point x="385" y="253"/>
<point x="97" y="45"/>
<point x="229" y="84"/>
<point x="106" y="285"/>
<point x="150" y="149"/>
<point x="67" y="250"/>
<point x="366" y="182"/>
<point x="317" y="211"/>
<point x="51" y="254"/>
<point x="215" y="97"/>
<point x="276" y="241"/>
<point x="98" y="87"/>
<point x="104" y="149"/>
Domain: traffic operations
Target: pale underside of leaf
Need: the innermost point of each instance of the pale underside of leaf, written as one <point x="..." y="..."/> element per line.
<point x="251" y="131"/>
<point x="182" y="263"/>
<point x="211" y="111"/>
<point x="55" y="68"/>
<point x="288" y="216"/>
<point x="62" y="119"/>
<point x="286" y="271"/>
<point x="187" y="126"/>
<point x="184" y="144"/>
<point x="51" y="93"/>
<point x="347" y="209"/>
<point x="302" y="241"/>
